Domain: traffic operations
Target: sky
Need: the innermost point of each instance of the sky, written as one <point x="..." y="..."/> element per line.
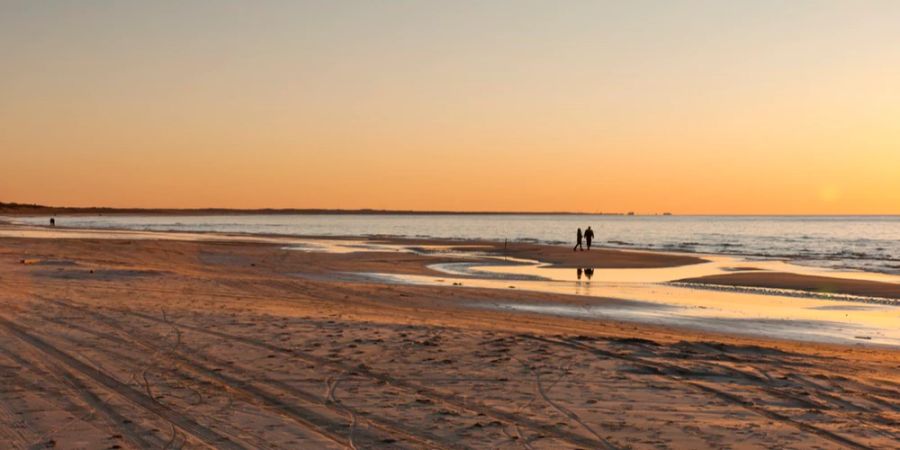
<point x="690" y="107"/>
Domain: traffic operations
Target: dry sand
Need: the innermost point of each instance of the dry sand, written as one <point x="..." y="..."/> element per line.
<point x="170" y="344"/>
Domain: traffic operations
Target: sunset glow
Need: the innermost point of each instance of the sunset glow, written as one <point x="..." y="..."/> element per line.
<point x="687" y="107"/>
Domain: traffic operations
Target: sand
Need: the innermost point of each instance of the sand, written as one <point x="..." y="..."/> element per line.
<point x="809" y="283"/>
<point x="170" y="344"/>
<point x="598" y="258"/>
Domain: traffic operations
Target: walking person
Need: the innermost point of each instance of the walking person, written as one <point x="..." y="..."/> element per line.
<point x="588" y="237"/>
<point x="578" y="241"/>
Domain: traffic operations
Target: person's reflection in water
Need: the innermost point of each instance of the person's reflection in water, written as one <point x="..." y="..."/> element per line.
<point x="583" y="287"/>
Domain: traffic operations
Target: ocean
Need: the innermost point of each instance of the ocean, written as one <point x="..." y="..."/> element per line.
<point x="868" y="243"/>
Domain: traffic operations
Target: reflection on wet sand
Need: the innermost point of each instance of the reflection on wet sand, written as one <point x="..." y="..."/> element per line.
<point x="772" y="313"/>
<point x="788" y="317"/>
<point x="583" y="287"/>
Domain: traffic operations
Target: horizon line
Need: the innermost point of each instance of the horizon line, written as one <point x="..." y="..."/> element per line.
<point x="33" y="208"/>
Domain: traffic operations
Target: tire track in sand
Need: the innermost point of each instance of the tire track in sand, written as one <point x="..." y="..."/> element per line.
<point x="185" y="424"/>
<point x="295" y="413"/>
<point x="730" y="398"/>
<point x="130" y="431"/>
<point x="250" y="439"/>
<point x="424" y="391"/>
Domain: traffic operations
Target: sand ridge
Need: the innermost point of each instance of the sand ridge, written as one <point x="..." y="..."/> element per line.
<point x="800" y="282"/>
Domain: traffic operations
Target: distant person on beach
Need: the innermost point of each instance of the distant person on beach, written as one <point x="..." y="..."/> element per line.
<point x="52" y="222"/>
<point x="588" y="237"/>
<point x="589" y="272"/>
<point x="578" y="241"/>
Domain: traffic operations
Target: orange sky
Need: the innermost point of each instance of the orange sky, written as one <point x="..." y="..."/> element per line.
<point x="689" y="107"/>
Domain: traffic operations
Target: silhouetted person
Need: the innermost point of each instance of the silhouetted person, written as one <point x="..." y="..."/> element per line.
<point x="588" y="237"/>
<point x="578" y="271"/>
<point x="589" y="272"/>
<point x="52" y="222"/>
<point x="578" y="241"/>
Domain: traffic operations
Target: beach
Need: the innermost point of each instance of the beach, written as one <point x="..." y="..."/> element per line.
<point x="449" y="225"/>
<point x="142" y="341"/>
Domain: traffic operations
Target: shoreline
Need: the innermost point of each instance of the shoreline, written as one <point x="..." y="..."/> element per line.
<point x="842" y="262"/>
<point x="843" y="282"/>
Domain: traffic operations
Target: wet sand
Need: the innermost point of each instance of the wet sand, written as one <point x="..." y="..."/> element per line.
<point x="145" y="343"/>
<point x="800" y="282"/>
<point x="598" y="258"/>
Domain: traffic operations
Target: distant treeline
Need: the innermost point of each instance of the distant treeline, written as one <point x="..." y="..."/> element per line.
<point x="33" y="209"/>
